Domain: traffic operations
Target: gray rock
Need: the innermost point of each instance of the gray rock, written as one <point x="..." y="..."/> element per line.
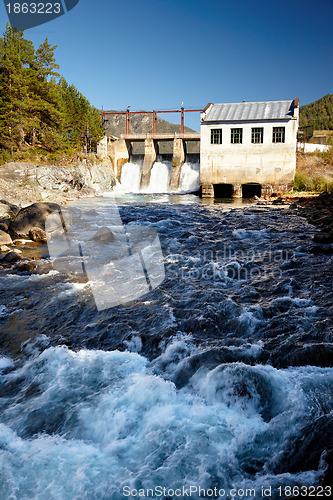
<point x="38" y="235"/>
<point x="104" y="235"/>
<point x="91" y="212"/>
<point x="7" y="208"/>
<point x="5" y="238"/>
<point x="33" y="216"/>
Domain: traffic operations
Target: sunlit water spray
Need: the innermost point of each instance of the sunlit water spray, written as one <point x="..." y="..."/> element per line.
<point x="159" y="179"/>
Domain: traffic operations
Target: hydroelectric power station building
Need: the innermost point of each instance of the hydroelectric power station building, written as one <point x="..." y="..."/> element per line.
<point x="248" y="148"/>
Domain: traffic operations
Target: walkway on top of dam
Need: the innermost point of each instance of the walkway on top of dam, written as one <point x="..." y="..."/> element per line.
<point x="186" y="136"/>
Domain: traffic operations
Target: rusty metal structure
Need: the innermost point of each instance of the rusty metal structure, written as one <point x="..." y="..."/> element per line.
<point x="154" y="114"/>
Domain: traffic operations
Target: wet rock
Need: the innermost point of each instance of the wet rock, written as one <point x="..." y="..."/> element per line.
<point x="38" y="235"/>
<point x="91" y="212"/>
<point x="12" y="257"/>
<point x="104" y="235"/>
<point x="5" y="238"/>
<point x="323" y="237"/>
<point x="278" y="201"/>
<point x="33" y="216"/>
<point x="26" y="267"/>
<point x="328" y="250"/>
<point x="4" y="227"/>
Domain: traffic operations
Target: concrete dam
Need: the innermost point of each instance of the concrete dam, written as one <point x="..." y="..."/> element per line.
<point x="246" y="149"/>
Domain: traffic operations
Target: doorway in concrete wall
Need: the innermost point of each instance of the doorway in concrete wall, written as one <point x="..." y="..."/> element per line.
<point x="251" y="189"/>
<point x="223" y="190"/>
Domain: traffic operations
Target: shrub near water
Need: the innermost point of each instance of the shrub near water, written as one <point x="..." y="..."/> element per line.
<point x="316" y="183"/>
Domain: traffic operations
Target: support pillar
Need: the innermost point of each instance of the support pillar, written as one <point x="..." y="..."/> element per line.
<point x="151" y="152"/>
<point x="120" y="154"/>
<point x="207" y="190"/>
<point x="178" y="160"/>
<point x="237" y="191"/>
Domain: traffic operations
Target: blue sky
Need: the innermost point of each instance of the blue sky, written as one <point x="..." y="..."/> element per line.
<point x="159" y="53"/>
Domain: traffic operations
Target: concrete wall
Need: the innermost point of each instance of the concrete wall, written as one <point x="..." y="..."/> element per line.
<point x="269" y="164"/>
<point x="102" y="147"/>
<point x="120" y="152"/>
<point x="311" y="148"/>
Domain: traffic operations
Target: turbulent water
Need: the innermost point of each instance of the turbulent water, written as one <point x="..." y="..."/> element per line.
<point x="160" y="178"/>
<point x="219" y="378"/>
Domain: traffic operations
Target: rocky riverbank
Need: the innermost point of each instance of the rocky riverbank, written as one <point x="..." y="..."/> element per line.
<point x="22" y="184"/>
<point x="29" y="193"/>
<point x="319" y="211"/>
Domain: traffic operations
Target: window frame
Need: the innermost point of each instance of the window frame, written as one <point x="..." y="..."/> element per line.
<point x="233" y="135"/>
<point x="279" y="135"/>
<point x="257" y="133"/>
<point x="216" y="133"/>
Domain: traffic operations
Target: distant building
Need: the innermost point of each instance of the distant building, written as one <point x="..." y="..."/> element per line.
<point x="248" y="148"/>
<point x="321" y="136"/>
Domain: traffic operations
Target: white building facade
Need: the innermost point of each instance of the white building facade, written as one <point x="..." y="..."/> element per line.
<point x="248" y="148"/>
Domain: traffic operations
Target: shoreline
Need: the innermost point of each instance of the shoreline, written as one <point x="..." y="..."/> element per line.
<point x="25" y="184"/>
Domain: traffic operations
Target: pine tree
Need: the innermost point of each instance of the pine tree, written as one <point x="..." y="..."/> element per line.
<point x="35" y="110"/>
<point x="49" y="111"/>
<point x="16" y="60"/>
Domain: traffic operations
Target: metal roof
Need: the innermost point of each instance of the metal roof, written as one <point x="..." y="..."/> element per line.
<point x="244" y="111"/>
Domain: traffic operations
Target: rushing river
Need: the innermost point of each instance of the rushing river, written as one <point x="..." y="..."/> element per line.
<point x="218" y="378"/>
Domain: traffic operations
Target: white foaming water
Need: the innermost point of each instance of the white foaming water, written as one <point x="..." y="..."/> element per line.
<point x="130" y="178"/>
<point x="129" y="426"/>
<point x="159" y="179"/>
<point x="190" y="177"/>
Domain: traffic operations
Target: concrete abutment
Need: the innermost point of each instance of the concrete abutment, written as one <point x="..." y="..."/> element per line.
<point x="178" y="160"/>
<point x="120" y="152"/>
<point x="151" y="152"/>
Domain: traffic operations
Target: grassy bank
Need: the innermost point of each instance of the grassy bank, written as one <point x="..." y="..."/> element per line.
<point x="314" y="172"/>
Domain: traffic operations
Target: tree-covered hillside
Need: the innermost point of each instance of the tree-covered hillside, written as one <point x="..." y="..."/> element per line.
<point x="317" y="115"/>
<point x="39" y="111"/>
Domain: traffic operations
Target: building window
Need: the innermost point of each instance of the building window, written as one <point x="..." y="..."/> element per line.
<point x="236" y="136"/>
<point x="279" y="134"/>
<point x="257" y="135"/>
<point x="216" y="136"/>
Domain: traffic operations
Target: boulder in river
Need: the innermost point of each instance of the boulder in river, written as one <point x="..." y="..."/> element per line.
<point x="26" y="267"/>
<point x="38" y="235"/>
<point x="5" y="238"/>
<point x="323" y="237"/>
<point x="12" y="257"/>
<point x="104" y="235"/>
<point x="33" y="216"/>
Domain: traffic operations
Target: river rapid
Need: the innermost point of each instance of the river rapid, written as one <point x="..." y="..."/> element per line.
<point x="221" y="377"/>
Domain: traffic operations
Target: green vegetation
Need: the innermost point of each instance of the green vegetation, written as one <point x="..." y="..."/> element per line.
<point x="41" y="114"/>
<point x="317" y="116"/>
<point x="316" y="183"/>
